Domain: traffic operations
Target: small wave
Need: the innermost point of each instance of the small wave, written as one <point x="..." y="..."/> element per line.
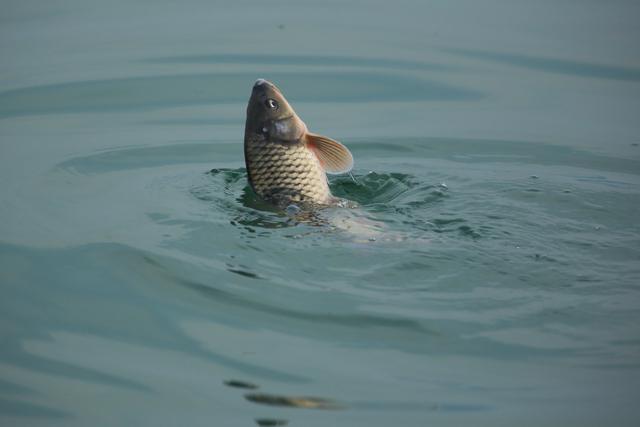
<point x="381" y="190"/>
<point x="153" y="92"/>
<point x="383" y="199"/>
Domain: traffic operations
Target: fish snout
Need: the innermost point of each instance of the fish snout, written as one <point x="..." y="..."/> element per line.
<point x="262" y="84"/>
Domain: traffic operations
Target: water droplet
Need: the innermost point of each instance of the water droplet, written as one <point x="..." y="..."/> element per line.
<point x="354" y="178"/>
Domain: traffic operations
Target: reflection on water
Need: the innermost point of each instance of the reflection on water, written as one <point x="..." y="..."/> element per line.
<point x="282" y="401"/>
<point x="240" y="384"/>
<point x="268" y="422"/>
<point x="294" y="401"/>
<point x="421" y="405"/>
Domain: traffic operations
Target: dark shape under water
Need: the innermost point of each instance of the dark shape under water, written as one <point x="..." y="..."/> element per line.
<point x="269" y="422"/>
<point x="294" y="401"/>
<point x="241" y="384"/>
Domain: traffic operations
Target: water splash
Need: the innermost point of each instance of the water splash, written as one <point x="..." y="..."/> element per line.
<point x="387" y="203"/>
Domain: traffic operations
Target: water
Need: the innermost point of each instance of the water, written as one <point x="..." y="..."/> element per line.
<point x="488" y="277"/>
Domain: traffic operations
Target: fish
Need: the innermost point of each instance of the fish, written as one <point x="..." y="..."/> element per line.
<point x="286" y="163"/>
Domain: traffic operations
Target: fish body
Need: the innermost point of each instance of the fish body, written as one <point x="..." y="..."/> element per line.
<point x="286" y="163"/>
<point x="285" y="172"/>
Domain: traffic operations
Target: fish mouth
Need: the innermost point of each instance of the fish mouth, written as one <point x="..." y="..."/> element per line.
<point x="262" y="83"/>
<point x="262" y="86"/>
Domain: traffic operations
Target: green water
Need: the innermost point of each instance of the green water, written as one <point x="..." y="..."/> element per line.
<point x="489" y="277"/>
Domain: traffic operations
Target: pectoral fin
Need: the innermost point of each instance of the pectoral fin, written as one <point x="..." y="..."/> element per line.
<point x="334" y="157"/>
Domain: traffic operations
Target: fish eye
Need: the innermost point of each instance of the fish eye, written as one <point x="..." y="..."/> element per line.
<point x="271" y="104"/>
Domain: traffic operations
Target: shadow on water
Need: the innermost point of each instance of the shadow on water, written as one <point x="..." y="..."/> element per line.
<point x="156" y="92"/>
<point x="552" y="65"/>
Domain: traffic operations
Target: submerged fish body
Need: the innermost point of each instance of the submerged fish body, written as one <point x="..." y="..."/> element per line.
<point x="286" y="163"/>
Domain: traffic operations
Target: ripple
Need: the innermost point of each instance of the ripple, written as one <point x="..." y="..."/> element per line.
<point x="376" y="189"/>
<point x="301" y="60"/>
<point x="123" y="159"/>
<point x="392" y="207"/>
<point x="553" y="65"/>
<point x="342" y="321"/>
<point x="18" y="408"/>
<point x="375" y="192"/>
<point x="156" y="92"/>
<point x="244" y="273"/>
<point x="230" y="191"/>
<point x="373" y="188"/>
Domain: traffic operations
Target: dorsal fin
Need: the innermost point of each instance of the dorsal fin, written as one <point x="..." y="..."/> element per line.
<point x="334" y="157"/>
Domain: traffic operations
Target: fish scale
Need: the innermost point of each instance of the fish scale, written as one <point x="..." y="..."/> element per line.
<point x="285" y="170"/>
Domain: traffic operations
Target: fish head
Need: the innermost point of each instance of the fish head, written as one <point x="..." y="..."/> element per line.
<point x="270" y="114"/>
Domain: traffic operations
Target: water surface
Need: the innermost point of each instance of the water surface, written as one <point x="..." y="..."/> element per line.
<point x="488" y="277"/>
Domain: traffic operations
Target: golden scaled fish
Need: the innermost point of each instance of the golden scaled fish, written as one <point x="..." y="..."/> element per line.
<point x="286" y="163"/>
